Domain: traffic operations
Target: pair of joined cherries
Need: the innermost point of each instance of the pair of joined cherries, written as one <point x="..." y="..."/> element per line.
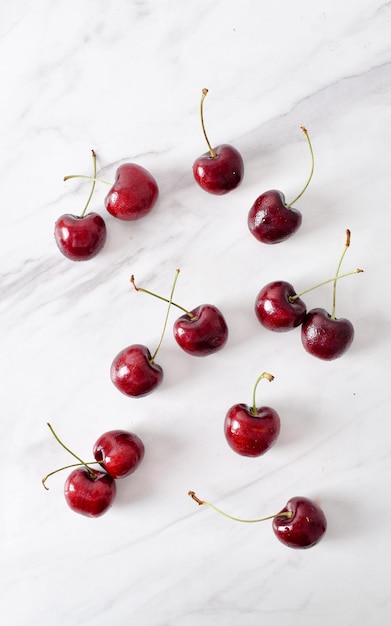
<point x="90" y="491"/>
<point x="132" y="196"/>
<point x="200" y="332"/>
<point x="280" y="309"/>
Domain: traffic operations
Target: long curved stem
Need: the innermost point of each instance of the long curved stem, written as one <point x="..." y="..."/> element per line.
<point x="64" y="468"/>
<point x="325" y="282"/>
<point x="97" y="180"/>
<point x="268" y="377"/>
<point x="287" y="514"/>
<point x="93" y="185"/>
<point x="305" y="131"/>
<point x="347" y="244"/>
<point x="212" y="152"/>
<point x="155" y="295"/>
<point x="92" y="473"/>
<point x="166" y="318"/>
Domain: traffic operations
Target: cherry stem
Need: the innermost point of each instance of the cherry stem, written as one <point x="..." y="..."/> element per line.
<point x="325" y="282"/>
<point x="212" y="152"/>
<point x="155" y="295"/>
<point x="93" y="185"/>
<point x="94" y="178"/>
<point x="63" y="468"/>
<point x="91" y="472"/>
<point x="305" y="131"/>
<point x="287" y="514"/>
<point x="268" y="377"/>
<point x="347" y="244"/>
<point x="166" y="319"/>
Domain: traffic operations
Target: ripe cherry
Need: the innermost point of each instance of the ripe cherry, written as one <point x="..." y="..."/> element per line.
<point x="80" y="238"/>
<point x="87" y="491"/>
<point x="279" y="308"/>
<point x="251" y="431"/>
<point x="221" y="169"/>
<point x="119" y="452"/>
<point x="199" y="332"/>
<point x="134" y="371"/>
<point x="270" y="219"/>
<point x="133" y="194"/>
<point x="300" y="524"/>
<point x="305" y="526"/>
<point x="322" y="334"/>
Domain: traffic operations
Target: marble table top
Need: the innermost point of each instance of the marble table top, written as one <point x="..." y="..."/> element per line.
<point x="124" y="79"/>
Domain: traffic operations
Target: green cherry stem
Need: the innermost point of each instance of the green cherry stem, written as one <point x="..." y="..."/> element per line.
<point x="94" y="178"/>
<point x="93" y="185"/>
<point x="64" y="468"/>
<point x="155" y="295"/>
<point x="325" y="282"/>
<point x="203" y="95"/>
<point x="268" y="377"/>
<point x="346" y="246"/>
<point x="91" y="472"/>
<point x="287" y="514"/>
<point x="153" y="357"/>
<point x="305" y="131"/>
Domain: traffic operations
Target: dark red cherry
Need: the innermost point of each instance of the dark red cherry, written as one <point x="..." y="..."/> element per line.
<point x="203" y="332"/>
<point x="251" y="433"/>
<point x="89" y="494"/>
<point x="134" y="373"/>
<point x="221" y="169"/>
<point x="80" y="238"/>
<point x="270" y="220"/>
<point x="133" y="194"/>
<point x="325" y="337"/>
<point x="277" y="307"/>
<point x="220" y="173"/>
<point x="119" y="452"/>
<point x="304" y="528"/>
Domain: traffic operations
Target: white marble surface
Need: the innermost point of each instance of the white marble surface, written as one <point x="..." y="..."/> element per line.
<point x="125" y="79"/>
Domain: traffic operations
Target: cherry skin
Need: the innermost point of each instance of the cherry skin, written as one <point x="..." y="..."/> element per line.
<point x="325" y="337"/>
<point x="276" y="310"/>
<point x="134" y="373"/>
<point x="89" y="494"/>
<point x="220" y="173"/>
<point x="119" y="452"/>
<point x="203" y="332"/>
<point x="270" y="220"/>
<point x="304" y="528"/>
<point x="80" y="238"/>
<point x="251" y="433"/>
<point x="133" y="194"/>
